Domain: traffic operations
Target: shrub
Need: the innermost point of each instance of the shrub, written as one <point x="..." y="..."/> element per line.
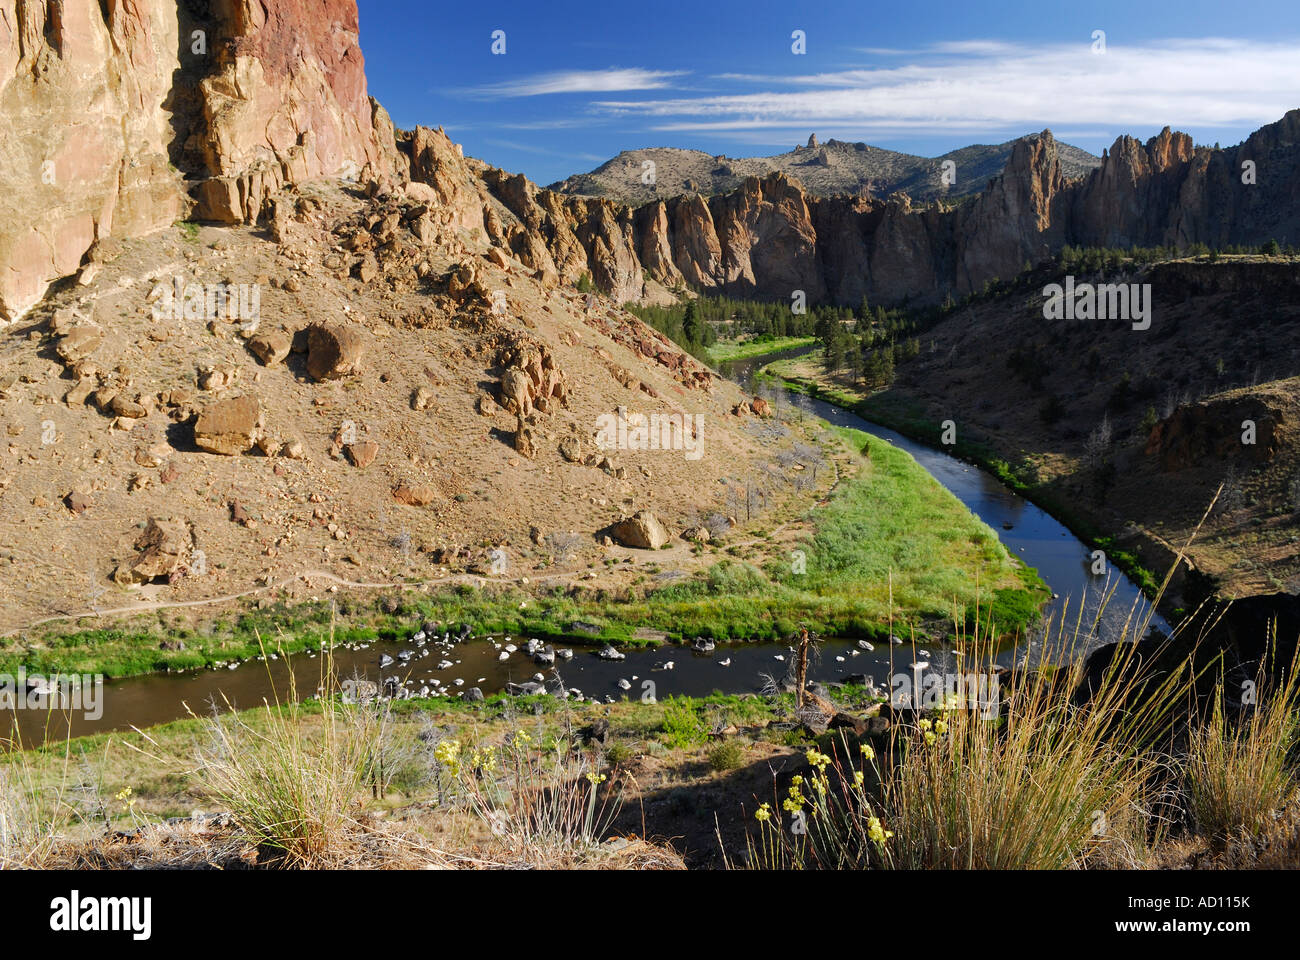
<point x="727" y="755"/>
<point x="546" y="806"/>
<point x="682" y="726"/>
<point x="290" y="786"/>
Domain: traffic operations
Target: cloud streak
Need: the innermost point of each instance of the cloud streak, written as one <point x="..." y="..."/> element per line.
<point x="612" y="80"/>
<point x="986" y="85"/>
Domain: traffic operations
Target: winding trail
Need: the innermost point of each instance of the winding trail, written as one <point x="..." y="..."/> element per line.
<point x="307" y="576"/>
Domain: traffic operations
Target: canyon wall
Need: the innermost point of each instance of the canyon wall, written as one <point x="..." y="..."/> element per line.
<point x="769" y="238"/>
<point x="118" y="117"/>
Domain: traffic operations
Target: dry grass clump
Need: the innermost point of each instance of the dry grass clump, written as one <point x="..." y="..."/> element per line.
<point x="1239" y="773"/>
<point x="296" y="788"/>
<point x="1029" y="779"/>
<point x="36" y="810"/>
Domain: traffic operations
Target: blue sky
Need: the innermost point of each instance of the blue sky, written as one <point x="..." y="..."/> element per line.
<point x="579" y="82"/>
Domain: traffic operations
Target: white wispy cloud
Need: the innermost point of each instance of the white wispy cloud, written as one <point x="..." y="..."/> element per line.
<point x="991" y="86"/>
<point x="543" y="151"/>
<point x="612" y="80"/>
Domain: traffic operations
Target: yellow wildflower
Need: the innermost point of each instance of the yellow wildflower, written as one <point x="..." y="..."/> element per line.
<point x="876" y="833"/>
<point x="795" y="801"/>
<point x="447" y="753"/>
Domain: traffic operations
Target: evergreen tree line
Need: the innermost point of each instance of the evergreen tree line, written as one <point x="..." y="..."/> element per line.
<point x="1097" y="259"/>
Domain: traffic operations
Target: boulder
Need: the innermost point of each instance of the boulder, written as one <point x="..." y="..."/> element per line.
<point x="78" y="502"/>
<point x="229" y="427"/>
<point x="516" y="392"/>
<point x="271" y="348"/>
<point x="847" y="721"/>
<point x="530" y="688"/>
<point x="79" y="343"/>
<point x="333" y="350"/>
<point x="595" y="732"/>
<point x="124" y="406"/>
<point x="422" y="399"/>
<point x="576" y="449"/>
<point x="76" y="397"/>
<point x="362" y="454"/>
<point x="415" y="494"/>
<point x="642" y="530"/>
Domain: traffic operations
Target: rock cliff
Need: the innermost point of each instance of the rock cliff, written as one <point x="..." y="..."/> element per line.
<point x="118" y="117"/>
<point x="770" y="237"/>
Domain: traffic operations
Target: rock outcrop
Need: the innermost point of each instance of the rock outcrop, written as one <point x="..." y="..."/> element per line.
<point x="119" y="117"/>
<point x="769" y="237"/>
<point x="1212" y="431"/>
<point x="164" y="551"/>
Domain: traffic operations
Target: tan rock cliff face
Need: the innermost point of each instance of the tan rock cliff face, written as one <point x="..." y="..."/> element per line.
<point x="118" y="117"/>
<point x="83" y="137"/>
<point x="769" y="238"/>
<point x="114" y="113"/>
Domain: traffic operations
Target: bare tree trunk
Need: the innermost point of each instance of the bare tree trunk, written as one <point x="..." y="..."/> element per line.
<point x="801" y="671"/>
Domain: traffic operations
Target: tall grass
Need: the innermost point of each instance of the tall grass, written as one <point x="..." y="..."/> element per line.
<point x="28" y="821"/>
<point x="1043" y="787"/>
<point x="36" y="809"/>
<point x="1239" y="770"/>
<point x="1033" y="777"/>
<point x="295" y="787"/>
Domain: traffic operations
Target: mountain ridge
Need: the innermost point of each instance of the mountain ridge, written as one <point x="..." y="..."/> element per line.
<point x="823" y="169"/>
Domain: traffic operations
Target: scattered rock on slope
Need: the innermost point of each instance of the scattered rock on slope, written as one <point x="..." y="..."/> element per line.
<point x="415" y="494"/>
<point x="333" y="350"/>
<point x="229" y="427"/>
<point x="271" y="348"/>
<point x="362" y="454"/>
<point x="641" y="530"/>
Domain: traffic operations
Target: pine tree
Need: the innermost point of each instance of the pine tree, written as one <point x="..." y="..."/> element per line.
<point x="691" y="323"/>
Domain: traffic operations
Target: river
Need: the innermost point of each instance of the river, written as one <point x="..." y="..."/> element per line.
<point x="1039" y="540"/>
